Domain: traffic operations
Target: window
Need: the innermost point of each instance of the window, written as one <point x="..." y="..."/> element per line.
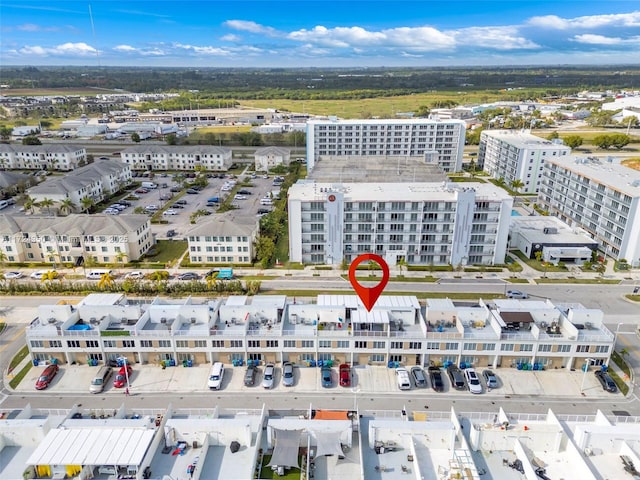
<point x="396" y="345"/>
<point x="451" y="346"/>
<point x="307" y="344"/>
<point x="506" y="347"/>
<point x="378" y="344"/>
<point x="58" y="343"/>
<point x="469" y="346"/>
<point x="376" y="358"/>
<point x="361" y="344"/>
<point x="488" y="346"/>
<point x="200" y="344"/>
<point x="415" y="345"/>
<point x="526" y="347"/>
<point x="545" y="347"/>
<point x="253" y="344"/>
<point x="92" y="344"/>
<point x="343" y="344"/>
<point x="433" y="346"/>
<point x="324" y="344"/>
<point x="70" y="343"/>
<point x="289" y="343"/>
<point x="564" y="348"/>
<point x="582" y="348"/>
<point x="164" y="343"/>
<point x="236" y="344"/>
<point x="128" y="343"/>
<point x="109" y="343"/>
<point x="182" y="343"/>
<point x="37" y="344"/>
<point x="272" y="343"/>
<point x="602" y="348"/>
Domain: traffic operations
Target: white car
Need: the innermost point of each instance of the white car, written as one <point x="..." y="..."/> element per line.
<point x="169" y="212"/>
<point x="39" y="274"/>
<point x="152" y="207"/>
<point x="240" y="197"/>
<point x="112" y="211"/>
<point x="12" y="275"/>
<point x="134" y="275"/>
<point x="473" y="381"/>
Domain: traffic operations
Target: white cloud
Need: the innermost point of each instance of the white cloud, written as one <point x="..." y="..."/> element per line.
<point x="125" y="48"/>
<point x="231" y="38"/>
<point x="591" y="39"/>
<point x="205" y="50"/>
<point x="498" y="38"/>
<point x="631" y="19"/>
<point x="253" y="27"/>
<point x="66" y="49"/>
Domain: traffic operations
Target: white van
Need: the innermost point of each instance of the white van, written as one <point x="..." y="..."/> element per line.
<point x="97" y="274"/>
<point x="150" y="185"/>
<point x="402" y="376"/>
<point x="3" y="204"/>
<point x="100" y="379"/>
<point x="266" y="201"/>
<point x="215" y="376"/>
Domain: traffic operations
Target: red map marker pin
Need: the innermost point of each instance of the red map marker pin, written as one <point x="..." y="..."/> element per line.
<point x="369" y="296"/>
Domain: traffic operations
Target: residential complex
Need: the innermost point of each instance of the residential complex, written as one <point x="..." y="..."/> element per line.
<point x="227" y="238"/>
<point x="508" y="333"/>
<point x="420" y="223"/>
<point x="601" y="197"/>
<point x="514" y="155"/>
<point x="269" y="157"/>
<point x="74" y="238"/>
<point x="95" y="181"/>
<point x="437" y="142"/>
<point x="189" y="157"/>
<point x="42" y="157"/>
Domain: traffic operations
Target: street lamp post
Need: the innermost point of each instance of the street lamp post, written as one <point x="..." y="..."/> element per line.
<point x="615" y="337"/>
<point x="587" y="362"/>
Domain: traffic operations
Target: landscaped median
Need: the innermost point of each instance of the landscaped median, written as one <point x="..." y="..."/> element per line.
<point x="622" y="383"/>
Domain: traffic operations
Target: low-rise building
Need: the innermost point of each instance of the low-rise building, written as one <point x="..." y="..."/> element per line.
<point x="268" y="157"/>
<point x="555" y="239"/>
<point x="41" y="157"/>
<point x="190" y="157"/>
<point x="227" y="239"/>
<point x="75" y="238"/>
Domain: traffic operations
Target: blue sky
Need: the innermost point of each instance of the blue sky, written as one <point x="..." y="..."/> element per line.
<point x="318" y="34"/>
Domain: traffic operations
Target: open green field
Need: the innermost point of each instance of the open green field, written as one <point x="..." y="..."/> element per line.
<point x="18" y="92"/>
<point x="224" y="129"/>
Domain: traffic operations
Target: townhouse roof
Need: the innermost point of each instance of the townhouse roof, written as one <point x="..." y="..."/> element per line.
<point x="171" y="150"/>
<point x="49" y="148"/>
<point x="10" y="179"/>
<point x="225" y="225"/>
<point x="73" y="225"/>
<point x="79" y="178"/>
<point x="524" y="140"/>
<point x="272" y="151"/>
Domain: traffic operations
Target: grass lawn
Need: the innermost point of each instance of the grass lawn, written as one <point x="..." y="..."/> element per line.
<point x="15" y="381"/>
<point x="601" y="281"/>
<point x="290" y="474"/>
<point x="15" y="361"/>
<point x="167" y="251"/>
<point x="620" y="362"/>
<point x="224" y="129"/>
<point x="420" y="295"/>
<point x="536" y="265"/>
<point x="517" y="280"/>
<point x="621" y="384"/>
<point x="398" y="278"/>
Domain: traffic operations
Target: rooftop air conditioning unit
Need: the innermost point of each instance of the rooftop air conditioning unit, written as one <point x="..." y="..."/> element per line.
<point x="163" y="320"/>
<point x="51" y="320"/>
<point x="123" y="320"/>
<point x="93" y="320"/>
<point x="193" y="319"/>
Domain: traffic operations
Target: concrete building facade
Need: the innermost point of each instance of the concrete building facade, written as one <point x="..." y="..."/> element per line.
<point x="40" y="157"/>
<point x="420" y="223"/>
<point x="513" y="155"/>
<point x="226" y="239"/>
<point x="600" y="197"/>
<point x="439" y="142"/>
<point x="269" y="157"/>
<point x="159" y="157"/>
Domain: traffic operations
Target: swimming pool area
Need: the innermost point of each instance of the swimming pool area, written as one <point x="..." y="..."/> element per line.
<point x="515" y="213"/>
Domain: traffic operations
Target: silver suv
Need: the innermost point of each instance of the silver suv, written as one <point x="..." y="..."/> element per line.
<point x="269" y="376"/>
<point x="287" y="374"/>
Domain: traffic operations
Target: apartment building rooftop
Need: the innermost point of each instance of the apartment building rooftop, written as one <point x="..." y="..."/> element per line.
<point x="523" y="139"/>
<point x="226" y="224"/>
<point x="383" y="121"/>
<point x="182" y="149"/>
<point x="73" y="225"/>
<point x="609" y="172"/>
<point x="548" y="229"/>
<point x="374" y="169"/>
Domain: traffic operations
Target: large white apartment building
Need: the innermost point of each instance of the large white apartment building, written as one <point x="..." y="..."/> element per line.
<point x="440" y="142"/>
<point x="40" y="157"/>
<point x="337" y="328"/>
<point x="227" y="238"/>
<point x="95" y="181"/>
<point x="599" y="196"/>
<point x="160" y="157"/>
<point x="75" y="238"/>
<point x="421" y="223"/>
<point x="516" y="155"/>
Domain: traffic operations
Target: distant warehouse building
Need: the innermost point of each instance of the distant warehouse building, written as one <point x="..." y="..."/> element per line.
<point x="439" y="142"/>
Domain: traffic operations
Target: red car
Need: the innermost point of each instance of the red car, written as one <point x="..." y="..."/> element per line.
<point x="47" y="376"/>
<point x="345" y="375"/>
<point x="122" y="376"/>
<point x="142" y="190"/>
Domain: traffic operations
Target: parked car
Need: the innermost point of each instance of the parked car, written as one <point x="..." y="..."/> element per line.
<point x="456" y="377"/>
<point x="244" y="191"/>
<point x="122" y="376"/>
<point x="263" y="211"/>
<point x="41" y="273"/>
<point x="418" y="377"/>
<point x="169" y="212"/>
<point x="175" y="189"/>
<point x="287" y="374"/>
<point x="180" y="202"/>
<point x="192" y="191"/>
<point x="177" y="205"/>
<point x="12" y="275"/>
<point x="516" y="294"/>
<point x="606" y="381"/>
<point x="435" y="376"/>
<point x="44" y="380"/>
<point x="165" y="196"/>
<point x="136" y="274"/>
<point x="111" y="211"/>
<point x="345" y="375"/>
<point x="490" y="379"/>
<point x="268" y="378"/>
<point x="325" y="374"/>
<point x="171" y="233"/>
<point x="189" y="276"/>
<point x="250" y="376"/>
<point x="473" y="381"/>
<point x="240" y="197"/>
<point x="142" y="190"/>
<point x="152" y="208"/>
<point x="402" y="378"/>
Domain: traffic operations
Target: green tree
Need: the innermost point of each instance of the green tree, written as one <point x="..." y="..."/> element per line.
<point x="135" y="137"/>
<point x="87" y="204"/>
<point x="67" y="206"/>
<point x="46" y="203"/>
<point x="296" y="139"/>
<point x="573" y="141"/>
<point x="106" y="281"/>
<point x="5" y="132"/>
<point x="516" y="185"/>
<point x="553" y="135"/>
<point x="619" y="140"/>
<point x="472" y="137"/>
<point x="171" y="139"/>
<point x="29" y="204"/>
<point x="139" y="211"/>
<point x="422" y="111"/>
<point x="31" y="140"/>
<point x="402" y="264"/>
<point x="265" y="251"/>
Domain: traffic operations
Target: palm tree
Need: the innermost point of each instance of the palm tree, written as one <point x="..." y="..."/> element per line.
<point x="87" y="203"/>
<point x="67" y="206"/>
<point x="402" y="263"/>
<point x="29" y="204"/>
<point x="516" y="185"/>
<point x="211" y="280"/>
<point x="106" y="280"/>
<point x="46" y="203"/>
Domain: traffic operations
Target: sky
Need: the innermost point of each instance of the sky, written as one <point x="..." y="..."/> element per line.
<point x="300" y="33"/>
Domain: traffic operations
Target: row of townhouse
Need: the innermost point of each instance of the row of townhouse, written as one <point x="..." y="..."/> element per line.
<point x="42" y="157"/>
<point x="514" y="155"/>
<point x="440" y="141"/>
<point x="159" y="157"/>
<point x="75" y="238"/>
<point x="95" y="181"/>
<point x="421" y="223"/>
<point x="506" y="333"/>
<point x="599" y="196"/>
<point x="226" y="238"/>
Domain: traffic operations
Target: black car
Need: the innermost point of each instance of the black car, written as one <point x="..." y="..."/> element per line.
<point x="175" y="189"/>
<point x="435" y="375"/>
<point x="250" y="376"/>
<point x="180" y="202"/>
<point x="177" y="205"/>
<point x="262" y="211"/>
<point x="189" y="276"/>
<point x="171" y="233"/>
<point x="606" y="381"/>
<point x="418" y="377"/>
<point x="192" y="191"/>
<point x="456" y="377"/>
<point x="245" y="192"/>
